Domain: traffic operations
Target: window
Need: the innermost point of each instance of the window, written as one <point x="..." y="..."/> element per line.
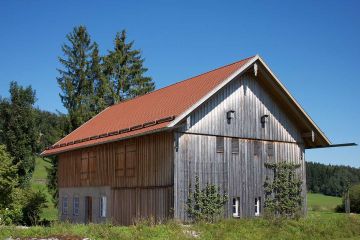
<point x="236" y="207"/>
<point x="257" y="206"/>
<point x="88" y="164"/>
<point x="270" y="149"/>
<point x="103" y="206"/>
<point x="125" y="160"/>
<point x="257" y="148"/>
<point x="130" y="162"/>
<point x="76" y="206"/>
<point x="84" y="173"/>
<point x="64" y="205"/>
<point x="235" y="145"/>
<point x="219" y="144"/>
<point x="120" y="161"/>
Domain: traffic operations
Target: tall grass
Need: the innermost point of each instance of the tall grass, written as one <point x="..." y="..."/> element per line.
<point x="318" y="225"/>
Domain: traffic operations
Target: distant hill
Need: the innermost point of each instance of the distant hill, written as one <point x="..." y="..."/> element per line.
<point x="330" y="179"/>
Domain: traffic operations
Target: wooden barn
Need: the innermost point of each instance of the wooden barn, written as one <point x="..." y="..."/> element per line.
<point x="137" y="159"/>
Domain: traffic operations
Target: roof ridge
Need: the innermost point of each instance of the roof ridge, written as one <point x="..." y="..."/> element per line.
<point x="215" y="69"/>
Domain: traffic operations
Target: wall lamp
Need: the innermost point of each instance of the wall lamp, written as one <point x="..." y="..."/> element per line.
<point x="230" y="115"/>
<point x="264" y="119"/>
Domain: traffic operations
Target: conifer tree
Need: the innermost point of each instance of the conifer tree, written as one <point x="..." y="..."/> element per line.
<point x="74" y="77"/>
<point x="125" y="71"/>
<point x="101" y="97"/>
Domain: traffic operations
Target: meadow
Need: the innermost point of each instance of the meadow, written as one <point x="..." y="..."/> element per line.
<point x="320" y="223"/>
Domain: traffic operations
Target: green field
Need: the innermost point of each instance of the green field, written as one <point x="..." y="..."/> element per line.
<point x="38" y="182"/>
<point x="320" y="202"/>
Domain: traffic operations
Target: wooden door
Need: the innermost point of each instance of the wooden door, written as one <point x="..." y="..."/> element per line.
<point x="88" y="209"/>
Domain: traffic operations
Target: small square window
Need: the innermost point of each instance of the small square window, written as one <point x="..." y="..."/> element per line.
<point x="220" y="144"/>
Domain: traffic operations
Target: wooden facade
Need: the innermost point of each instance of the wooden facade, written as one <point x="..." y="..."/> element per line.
<point x="150" y="175"/>
<point x="239" y="168"/>
<point x="138" y="171"/>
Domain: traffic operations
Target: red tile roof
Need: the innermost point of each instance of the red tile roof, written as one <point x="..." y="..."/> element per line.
<point x="143" y="114"/>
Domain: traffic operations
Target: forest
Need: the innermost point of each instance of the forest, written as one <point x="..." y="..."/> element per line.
<point x="332" y="180"/>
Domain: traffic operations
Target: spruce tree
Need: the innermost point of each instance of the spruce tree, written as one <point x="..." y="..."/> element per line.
<point x="101" y="97"/>
<point x="74" y="78"/>
<point x="19" y="132"/>
<point x="125" y="71"/>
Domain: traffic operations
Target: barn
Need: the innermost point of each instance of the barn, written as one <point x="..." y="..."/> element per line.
<point x="137" y="159"/>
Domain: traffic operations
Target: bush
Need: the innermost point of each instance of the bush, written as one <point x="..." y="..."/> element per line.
<point x="205" y="204"/>
<point x="34" y="202"/>
<point x="354" y="194"/>
<point x="25" y="209"/>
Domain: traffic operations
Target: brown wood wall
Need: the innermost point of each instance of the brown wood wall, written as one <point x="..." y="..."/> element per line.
<point x="139" y="171"/>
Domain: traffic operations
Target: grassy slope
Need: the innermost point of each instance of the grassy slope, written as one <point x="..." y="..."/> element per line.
<point x="320" y="202"/>
<point x="38" y="182"/>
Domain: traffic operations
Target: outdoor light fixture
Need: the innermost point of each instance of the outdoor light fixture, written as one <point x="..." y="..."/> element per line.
<point x="230" y="115"/>
<point x="264" y="119"/>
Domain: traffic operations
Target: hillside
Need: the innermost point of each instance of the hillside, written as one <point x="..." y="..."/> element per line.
<point x="38" y="182"/>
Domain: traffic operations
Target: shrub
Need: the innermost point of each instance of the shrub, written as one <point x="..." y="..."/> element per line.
<point x="33" y="203"/>
<point x="8" y="178"/>
<point x="283" y="193"/>
<point x="354" y="194"/>
<point x="205" y="204"/>
<point x="25" y="209"/>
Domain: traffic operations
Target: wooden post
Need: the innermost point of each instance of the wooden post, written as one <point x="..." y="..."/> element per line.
<point x="347" y="201"/>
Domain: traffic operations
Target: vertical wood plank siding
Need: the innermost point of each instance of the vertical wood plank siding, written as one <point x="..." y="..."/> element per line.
<point x="138" y="170"/>
<point x="239" y="174"/>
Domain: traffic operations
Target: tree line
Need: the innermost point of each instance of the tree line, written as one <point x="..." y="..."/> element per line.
<point x="330" y="179"/>
<point x="89" y="82"/>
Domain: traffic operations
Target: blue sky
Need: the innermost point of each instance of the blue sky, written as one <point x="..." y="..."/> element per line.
<point x="312" y="46"/>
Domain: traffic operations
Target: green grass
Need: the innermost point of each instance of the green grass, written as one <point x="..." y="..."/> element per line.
<point x="321" y="223"/>
<point x="38" y="182"/>
<point x="320" y="202"/>
<point x="317" y="225"/>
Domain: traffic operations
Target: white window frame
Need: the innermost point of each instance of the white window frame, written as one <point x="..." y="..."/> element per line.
<point x="64" y="205"/>
<point x="236" y="207"/>
<point x="76" y="206"/>
<point x="103" y="206"/>
<point x="257" y="206"/>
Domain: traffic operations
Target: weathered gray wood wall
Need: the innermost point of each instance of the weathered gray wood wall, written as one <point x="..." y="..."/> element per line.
<point x="239" y="174"/>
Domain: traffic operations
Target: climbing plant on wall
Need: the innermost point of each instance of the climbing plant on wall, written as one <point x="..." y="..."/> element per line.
<point x="283" y="190"/>
<point x="205" y="204"/>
